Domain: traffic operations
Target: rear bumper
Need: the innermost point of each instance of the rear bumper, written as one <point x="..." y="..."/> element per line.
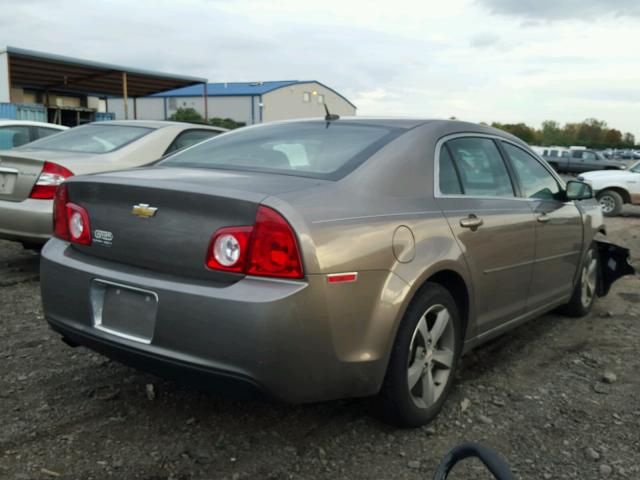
<point x="298" y="341"/>
<point x="28" y="221"/>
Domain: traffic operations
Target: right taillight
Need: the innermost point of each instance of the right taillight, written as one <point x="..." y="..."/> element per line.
<point x="51" y="176"/>
<point x="268" y="248"/>
<point x="70" y="221"/>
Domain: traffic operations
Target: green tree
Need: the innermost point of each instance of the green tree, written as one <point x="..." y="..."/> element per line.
<point x="520" y="130"/>
<point x="187" y="115"/>
<point x="551" y="133"/>
<point x="229" y="123"/>
<point x="628" y="140"/>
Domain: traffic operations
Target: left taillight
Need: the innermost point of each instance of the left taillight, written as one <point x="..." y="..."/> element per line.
<point x="70" y="221"/>
<point x="50" y="178"/>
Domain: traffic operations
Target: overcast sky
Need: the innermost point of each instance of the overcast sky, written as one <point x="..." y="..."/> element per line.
<point x="478" y="60"/>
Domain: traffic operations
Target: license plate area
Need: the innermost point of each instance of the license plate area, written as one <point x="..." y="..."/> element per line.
<point x="7" y="182"/>
<point x="125" y="311"/>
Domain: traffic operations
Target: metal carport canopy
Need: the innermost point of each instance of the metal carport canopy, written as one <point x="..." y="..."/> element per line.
<point x="29" y="68"/>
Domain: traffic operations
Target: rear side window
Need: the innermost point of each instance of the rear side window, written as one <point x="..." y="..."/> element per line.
<point x="13" y="136"/>
<point x="481" y="168"/>
<point x="189" y="138"/>
<point x="449" y="181"/>
<point x="536" y="181"/>
<point x="42" y="132"/>
<point x="92" y="138"/>
<point x="313" y="149"/>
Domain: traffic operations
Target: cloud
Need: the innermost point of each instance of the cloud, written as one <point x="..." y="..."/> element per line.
<point x="565" y="9"/>
<point x="483" y="40"/>
<point x="466" y="58"/>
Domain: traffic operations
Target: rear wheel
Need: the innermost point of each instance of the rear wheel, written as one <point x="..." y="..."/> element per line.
<point x="424" y="359"/>
<point x="585" y="291"/>
<point x="611" y="202"/>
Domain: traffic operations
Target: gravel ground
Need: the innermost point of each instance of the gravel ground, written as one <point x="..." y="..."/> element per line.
<point x="558" y="398"/>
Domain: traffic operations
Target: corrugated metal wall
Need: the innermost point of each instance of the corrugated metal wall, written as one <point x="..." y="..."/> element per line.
<point x="23" y="111"/>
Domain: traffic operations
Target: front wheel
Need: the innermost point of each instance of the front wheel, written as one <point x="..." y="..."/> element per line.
<point x="585" y="291"/>
<point x="423" y="360"/>
<point x="610" y="202"/>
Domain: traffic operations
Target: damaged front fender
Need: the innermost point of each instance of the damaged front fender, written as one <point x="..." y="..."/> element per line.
<point x="614" y="263"/>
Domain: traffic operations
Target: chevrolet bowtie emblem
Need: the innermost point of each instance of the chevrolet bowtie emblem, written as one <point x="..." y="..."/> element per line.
<point x="143" y="210"/>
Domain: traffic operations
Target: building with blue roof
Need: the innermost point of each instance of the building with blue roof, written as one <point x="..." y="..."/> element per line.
<point x="248" y="102"/>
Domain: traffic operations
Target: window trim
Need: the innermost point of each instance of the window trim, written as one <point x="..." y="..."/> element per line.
<point x="497" y="139"/>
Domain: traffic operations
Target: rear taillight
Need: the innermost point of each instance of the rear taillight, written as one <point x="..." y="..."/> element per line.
<point x="78" y="221"/>
<point x="268" y="248"/>
<point x="228" y="249"/>
<point x="70" y="221"/>
<point x="51" y="176"/>
<point x="60" y="221"/>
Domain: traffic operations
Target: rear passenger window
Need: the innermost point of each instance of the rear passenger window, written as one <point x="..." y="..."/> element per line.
<point x="482" y="170"/>
<point x="188" y="138"/>
<point x="42" y="132"/>
<point x="449" y="183"/>
<point x="536" y="180"/>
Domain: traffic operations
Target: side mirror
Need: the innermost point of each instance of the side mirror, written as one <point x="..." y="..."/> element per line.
<point x="578" y="190"/>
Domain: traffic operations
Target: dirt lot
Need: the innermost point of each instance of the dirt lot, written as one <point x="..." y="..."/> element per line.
<point x="538" y="395"/>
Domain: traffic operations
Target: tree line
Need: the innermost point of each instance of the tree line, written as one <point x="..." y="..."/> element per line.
<point x="190" y="115"/>
<point x="590" y="133"/>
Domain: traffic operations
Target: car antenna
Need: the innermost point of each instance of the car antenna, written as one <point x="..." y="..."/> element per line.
<point x="329" y="117"/>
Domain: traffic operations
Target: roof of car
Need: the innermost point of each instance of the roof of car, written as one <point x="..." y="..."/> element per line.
<point x="4" y="122"/>
<point x="156" y="124"/>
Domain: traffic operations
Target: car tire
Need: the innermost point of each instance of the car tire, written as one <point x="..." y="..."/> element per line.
<point x="585" y="292"/>
<point x="424" y="359"/>
<point x="611" y="202"/>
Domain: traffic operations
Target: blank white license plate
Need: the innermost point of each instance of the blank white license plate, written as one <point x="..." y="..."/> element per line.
<point x="7" y="183"/>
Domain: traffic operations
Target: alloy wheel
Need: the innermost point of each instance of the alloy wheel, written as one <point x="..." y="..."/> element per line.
<point x="431" y="355"/>
<point x="607" y="203"/>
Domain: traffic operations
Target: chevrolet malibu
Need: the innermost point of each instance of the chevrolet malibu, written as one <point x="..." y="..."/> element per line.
<point x="30" y="174"/>
<point x="315" y="260"/>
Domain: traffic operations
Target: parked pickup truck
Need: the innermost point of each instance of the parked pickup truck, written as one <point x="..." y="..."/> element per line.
<point x="579" y="161"/>
<point x="614" y="189"/>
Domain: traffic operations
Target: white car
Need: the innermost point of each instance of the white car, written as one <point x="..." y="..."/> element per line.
<point x="614" y="188"/>
<point x="30" y="174"/>
<point x="14" y="133"/>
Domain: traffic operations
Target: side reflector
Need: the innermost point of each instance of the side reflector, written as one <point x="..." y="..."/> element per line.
<point x="342" y="277"/>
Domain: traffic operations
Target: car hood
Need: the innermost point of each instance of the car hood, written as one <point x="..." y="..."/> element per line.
<point x="604" y="175"/>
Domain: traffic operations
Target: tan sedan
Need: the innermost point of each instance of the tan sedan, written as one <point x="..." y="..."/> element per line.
<point x="29" y="175"/>
<point x="323" y="259"/>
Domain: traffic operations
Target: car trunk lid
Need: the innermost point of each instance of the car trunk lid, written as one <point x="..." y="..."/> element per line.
<point x="17" y="176"/>
<point x="162" y="219"/>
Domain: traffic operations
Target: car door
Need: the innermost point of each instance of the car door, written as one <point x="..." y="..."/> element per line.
<point x="559" y="228"/>
<point x="493" y="227"/>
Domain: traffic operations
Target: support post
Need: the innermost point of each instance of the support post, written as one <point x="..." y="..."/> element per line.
<point x="125" y="95"/>
<point x="205" y="95"/>
<point x="135" y="108"/>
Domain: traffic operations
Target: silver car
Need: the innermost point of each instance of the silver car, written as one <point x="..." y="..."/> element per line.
<point x="316" y="260"/>
<point x="29" y="175"/>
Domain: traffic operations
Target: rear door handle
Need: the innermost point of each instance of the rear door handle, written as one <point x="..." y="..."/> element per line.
<point x="472" y="222"/>
<point x="543" y="218"/>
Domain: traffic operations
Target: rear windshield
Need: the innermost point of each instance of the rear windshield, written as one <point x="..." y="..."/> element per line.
<point x="92" y="138"/>
<point x="312" y="149"/>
